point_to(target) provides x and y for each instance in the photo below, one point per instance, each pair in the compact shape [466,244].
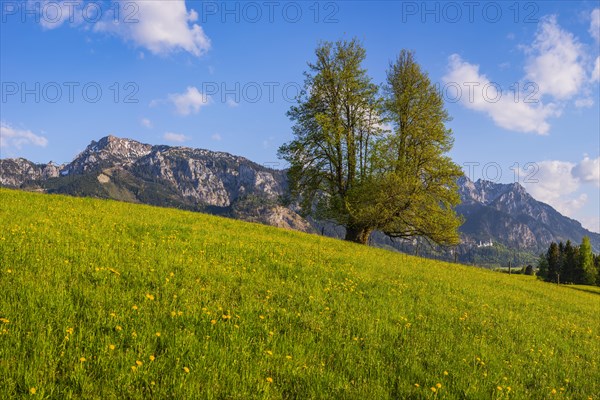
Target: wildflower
[82,359]
[118,328]
[111,346]
[269,352]
[153,383]
[433,389]
[133,368]
[157,334]
[32,390]
[499,388]
[445,372]
[149,296]
[438,385]
[70,331]
[135,307]
[4,320]
[151,358]
[288,357]
[186,370]
[508,389]
[139,363]
[261,316]
[553,391]
[213,321]
[417,385]
[270,380]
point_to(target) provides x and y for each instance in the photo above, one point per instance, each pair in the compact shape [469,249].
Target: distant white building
[485,244]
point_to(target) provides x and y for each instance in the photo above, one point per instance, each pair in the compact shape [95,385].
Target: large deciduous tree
[346,168]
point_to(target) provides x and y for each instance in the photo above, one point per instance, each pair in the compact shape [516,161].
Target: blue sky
[521,80]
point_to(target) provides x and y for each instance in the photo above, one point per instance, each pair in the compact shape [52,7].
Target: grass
[101,299]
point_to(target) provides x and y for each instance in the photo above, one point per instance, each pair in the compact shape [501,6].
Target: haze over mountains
[220,183]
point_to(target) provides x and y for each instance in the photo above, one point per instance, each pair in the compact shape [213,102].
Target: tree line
[568,263]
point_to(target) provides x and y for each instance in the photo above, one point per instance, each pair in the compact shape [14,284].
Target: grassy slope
[239,304]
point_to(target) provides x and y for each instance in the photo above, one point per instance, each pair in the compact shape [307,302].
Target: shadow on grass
[588,289]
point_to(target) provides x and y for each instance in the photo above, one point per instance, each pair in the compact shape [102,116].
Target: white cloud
[189,102]
[556,183]
[17,138]
[520,116]
[163,26]
[591,223]
[595,24]
[596,71]
[556,62]
[175,137]
[216,137]
[584,103]
[588,170]
[232,103]
[146,123]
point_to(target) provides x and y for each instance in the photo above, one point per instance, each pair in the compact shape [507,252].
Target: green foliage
[346,168]
[246,311]
[570,264]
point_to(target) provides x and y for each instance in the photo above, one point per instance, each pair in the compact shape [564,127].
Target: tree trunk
[358,234]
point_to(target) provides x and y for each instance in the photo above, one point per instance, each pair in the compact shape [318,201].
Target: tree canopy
[372,158]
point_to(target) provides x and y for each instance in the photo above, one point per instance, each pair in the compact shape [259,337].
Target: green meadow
[102,299]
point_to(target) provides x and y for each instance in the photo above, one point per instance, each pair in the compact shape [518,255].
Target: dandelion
[82,359]
[433,389]
[151,358]
[269,352]
[139,363]
[135,308]
[553,391]
[186,370]
[288,357]
[438,385]
[157,334]
[70,331]
[118,328]
[499,388]
[32,390]
[270,380]
[417,385]
[508,388]
[4,320]
[133,368]
[149,296]
[111,346]
[261,316]
[213,321]
[445,373]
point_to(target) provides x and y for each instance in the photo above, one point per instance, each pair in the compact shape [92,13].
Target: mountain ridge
[225,184]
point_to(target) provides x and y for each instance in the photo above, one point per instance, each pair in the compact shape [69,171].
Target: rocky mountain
[500,219]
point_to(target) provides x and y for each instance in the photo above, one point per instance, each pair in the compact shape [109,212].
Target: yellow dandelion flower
[135,307]
[433,389]
[133,334]
[417,385]
[118,328]
[288,357]
[139,363]
[508,389]
[149,296]
[186,370]
[111,346]
[445,372]
[261,316]
[153,383]
[499,388]
[70,331]
[213,321]
[82,359]
[553,391]
[269,352]
[270,380]
[32,390]
[438,385]
[133,368]
[151,358]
